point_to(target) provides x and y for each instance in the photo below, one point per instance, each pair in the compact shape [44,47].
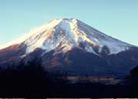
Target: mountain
[72,47]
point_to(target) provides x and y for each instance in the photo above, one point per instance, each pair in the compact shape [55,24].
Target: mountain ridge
[72,32]
[73,47]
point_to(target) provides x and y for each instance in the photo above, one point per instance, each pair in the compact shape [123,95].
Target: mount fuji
[72,47]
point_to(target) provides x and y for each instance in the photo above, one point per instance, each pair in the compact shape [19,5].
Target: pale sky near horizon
[117,18]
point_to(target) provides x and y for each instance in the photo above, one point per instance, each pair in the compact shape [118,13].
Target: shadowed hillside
[31,80]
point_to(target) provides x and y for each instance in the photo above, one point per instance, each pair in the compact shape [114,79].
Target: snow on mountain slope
[31,33]
[64,34]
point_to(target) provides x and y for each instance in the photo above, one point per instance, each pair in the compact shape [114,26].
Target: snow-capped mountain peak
[59,33]
[64,34]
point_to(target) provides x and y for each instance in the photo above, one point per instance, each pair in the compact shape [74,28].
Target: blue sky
[117,18]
